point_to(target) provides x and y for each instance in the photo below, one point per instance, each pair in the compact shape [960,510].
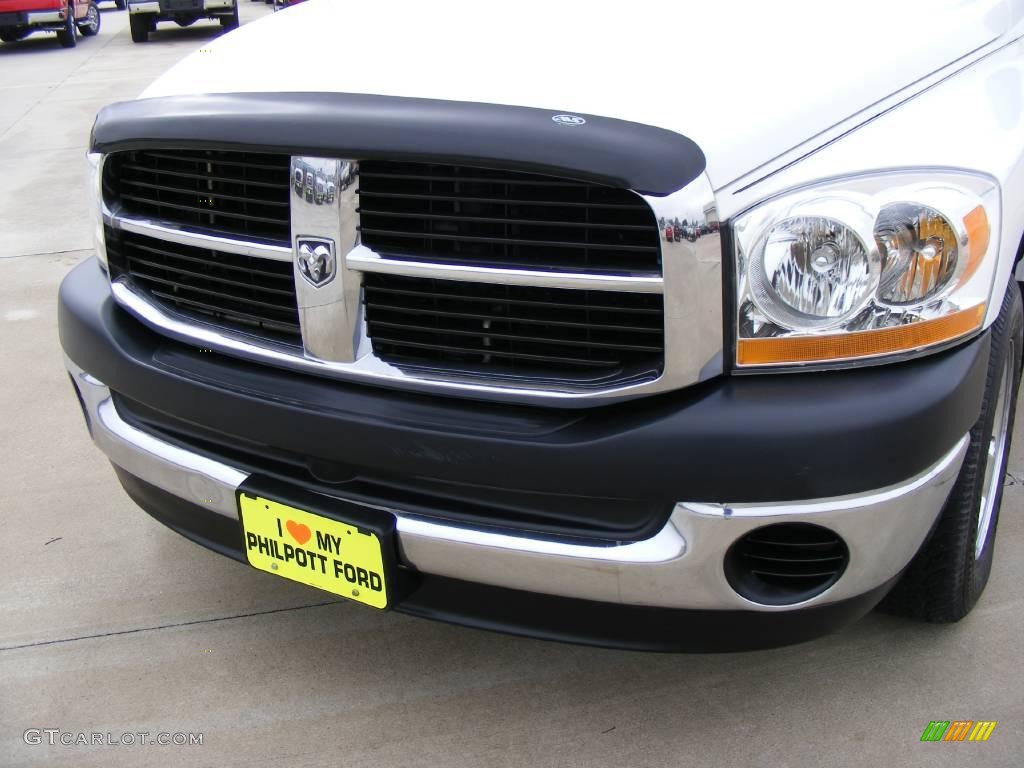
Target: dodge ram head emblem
[316,260]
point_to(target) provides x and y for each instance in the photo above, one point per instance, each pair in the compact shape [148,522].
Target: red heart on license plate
[298,531]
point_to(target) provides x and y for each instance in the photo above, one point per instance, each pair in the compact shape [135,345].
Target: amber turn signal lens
[852,346]
[977,226]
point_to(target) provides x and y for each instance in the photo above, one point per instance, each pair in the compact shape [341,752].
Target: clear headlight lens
[813,270]
[95,197]
[863,268]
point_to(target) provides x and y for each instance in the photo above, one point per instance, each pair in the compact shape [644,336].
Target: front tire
[140,26]
[944,581]
[68,37]
[91,26]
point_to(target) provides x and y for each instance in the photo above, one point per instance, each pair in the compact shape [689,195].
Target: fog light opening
[785,563]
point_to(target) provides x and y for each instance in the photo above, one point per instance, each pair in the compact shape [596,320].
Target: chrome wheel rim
[92,18]
[996,458]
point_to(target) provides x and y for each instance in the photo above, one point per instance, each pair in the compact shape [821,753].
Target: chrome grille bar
[365,260]
[167,230]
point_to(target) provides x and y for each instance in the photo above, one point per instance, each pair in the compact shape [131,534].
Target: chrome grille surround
[334,331]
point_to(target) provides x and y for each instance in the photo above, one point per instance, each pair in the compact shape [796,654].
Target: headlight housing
[95,197]
[864,268]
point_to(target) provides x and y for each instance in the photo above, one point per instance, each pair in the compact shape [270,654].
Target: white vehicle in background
[145,14]
[485,328]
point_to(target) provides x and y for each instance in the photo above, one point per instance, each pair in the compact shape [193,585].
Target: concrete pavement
[111,623]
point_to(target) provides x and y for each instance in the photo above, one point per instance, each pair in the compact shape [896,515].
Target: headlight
[863,268]
[95,197]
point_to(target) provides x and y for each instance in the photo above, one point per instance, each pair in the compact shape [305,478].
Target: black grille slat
[202,177]
[556,359]
[523,180]
[508,240]
[225,192]
[364,193]
[466,215]
[517,319]
[244,217]
[217,157]
[222,295]
[136,261]
[235,290]
[214,195]
[496,220]
[523,330]
[426,294]
[385,289]
[518,337]
[262,273]
[219,310]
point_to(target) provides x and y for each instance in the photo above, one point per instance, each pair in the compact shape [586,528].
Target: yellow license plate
[314,550]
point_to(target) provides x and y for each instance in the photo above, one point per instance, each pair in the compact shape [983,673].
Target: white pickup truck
[558,326]
[144,14]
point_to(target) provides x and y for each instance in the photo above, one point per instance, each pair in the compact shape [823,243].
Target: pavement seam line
[47,253]
[168,626]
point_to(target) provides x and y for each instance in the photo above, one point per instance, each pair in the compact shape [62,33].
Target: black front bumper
[789,437]
[611,472]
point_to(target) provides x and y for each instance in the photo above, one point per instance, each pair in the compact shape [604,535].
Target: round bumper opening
[785,563]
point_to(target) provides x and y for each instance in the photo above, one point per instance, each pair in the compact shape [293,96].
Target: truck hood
[746,81]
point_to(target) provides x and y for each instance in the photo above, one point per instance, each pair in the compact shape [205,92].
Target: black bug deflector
[605,150]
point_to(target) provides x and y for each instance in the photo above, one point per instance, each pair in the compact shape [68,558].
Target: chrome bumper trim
[153,6]
[44,17]
[679,567]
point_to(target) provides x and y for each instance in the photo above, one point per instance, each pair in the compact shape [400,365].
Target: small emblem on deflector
[569,120]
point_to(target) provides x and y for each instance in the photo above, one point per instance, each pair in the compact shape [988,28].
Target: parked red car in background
[68,18]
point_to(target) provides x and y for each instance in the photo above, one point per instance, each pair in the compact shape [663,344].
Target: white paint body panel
[776,96]
[716,73]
